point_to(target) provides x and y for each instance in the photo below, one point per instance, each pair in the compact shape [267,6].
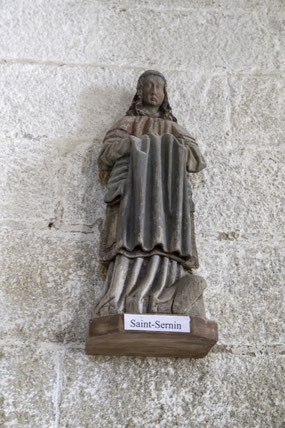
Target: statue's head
[151,92]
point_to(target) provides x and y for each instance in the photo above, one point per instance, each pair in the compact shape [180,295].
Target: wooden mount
[107,336]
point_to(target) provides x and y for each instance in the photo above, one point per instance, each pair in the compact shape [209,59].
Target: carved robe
[148,237]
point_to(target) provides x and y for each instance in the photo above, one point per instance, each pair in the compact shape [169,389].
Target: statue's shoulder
[180,130]
[125,123]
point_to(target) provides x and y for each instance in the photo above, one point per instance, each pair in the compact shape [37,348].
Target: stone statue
[148,241]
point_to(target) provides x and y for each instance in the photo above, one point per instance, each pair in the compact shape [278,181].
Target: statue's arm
[195,160]
[113,159]
[116,144]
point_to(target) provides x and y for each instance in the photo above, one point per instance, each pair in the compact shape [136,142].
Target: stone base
[107,336]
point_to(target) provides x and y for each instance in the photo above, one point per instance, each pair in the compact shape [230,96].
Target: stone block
[81,195]
[255,5]
[84,101]
[221,390]
[257,110]
[200,104]
[27,385]
[244,289]
[48,284]
[28,181]
[240,192]
[91,32]
[275,18]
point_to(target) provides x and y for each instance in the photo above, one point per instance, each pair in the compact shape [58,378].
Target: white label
[150,322]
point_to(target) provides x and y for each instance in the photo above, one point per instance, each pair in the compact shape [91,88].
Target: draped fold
[139,285]
[155,209]
[117,180]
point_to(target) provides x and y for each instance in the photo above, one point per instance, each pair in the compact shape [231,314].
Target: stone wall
[68,71]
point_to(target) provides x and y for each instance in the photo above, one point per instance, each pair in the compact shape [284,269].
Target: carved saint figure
[148,241]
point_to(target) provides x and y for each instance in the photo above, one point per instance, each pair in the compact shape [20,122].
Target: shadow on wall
[100,108]
[83,207]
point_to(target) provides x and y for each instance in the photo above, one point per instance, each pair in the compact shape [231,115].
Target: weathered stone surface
[81,194]
[245,288]
[48,284]
[27,384]
[275,17]
[48,183]
[240,191]
[276,6]
[200,103]
[84,101]
[223,390]
[91,32]
[28,181]
[257,109]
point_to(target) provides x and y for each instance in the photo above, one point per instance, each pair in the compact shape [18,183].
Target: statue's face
[153,91]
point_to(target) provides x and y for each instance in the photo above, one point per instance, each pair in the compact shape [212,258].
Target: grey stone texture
[106,33]
[221,390]
[28,376]
[68,70]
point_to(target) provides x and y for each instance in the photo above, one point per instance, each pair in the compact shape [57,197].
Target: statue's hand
[104,177]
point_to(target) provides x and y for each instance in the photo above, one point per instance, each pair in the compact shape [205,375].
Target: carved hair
[136,108]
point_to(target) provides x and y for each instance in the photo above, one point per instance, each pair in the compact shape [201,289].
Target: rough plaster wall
[68,71]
